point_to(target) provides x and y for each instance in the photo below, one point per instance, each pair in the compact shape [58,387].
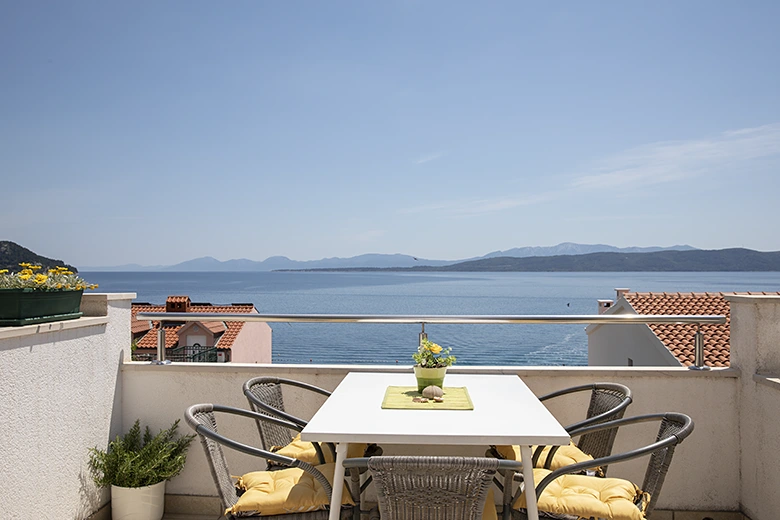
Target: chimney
[177,304]
[604,305]
[620,292]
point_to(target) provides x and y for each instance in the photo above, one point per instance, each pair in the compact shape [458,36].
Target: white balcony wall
[755,349]
[65,390]
[61,394]
[700,478]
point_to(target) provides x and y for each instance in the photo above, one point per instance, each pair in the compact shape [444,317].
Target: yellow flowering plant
[432,355]
[56,279]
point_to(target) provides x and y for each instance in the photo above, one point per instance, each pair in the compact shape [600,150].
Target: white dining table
[505,412]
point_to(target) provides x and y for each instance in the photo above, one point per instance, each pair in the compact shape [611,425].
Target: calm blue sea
[418,293]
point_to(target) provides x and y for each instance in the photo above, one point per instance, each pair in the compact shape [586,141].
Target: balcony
[69,386]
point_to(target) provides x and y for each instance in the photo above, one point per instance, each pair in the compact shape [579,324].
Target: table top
[505,412]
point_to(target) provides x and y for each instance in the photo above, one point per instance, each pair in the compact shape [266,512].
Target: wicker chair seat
[290,490]
[586,497]
[564,456]
[305,451]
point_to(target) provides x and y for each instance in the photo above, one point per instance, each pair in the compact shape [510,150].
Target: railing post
[161,347]
[422,336]
[698,350]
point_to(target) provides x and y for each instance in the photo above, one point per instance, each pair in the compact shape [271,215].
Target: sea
[422,294]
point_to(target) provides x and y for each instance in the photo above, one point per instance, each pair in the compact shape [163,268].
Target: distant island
[697,260]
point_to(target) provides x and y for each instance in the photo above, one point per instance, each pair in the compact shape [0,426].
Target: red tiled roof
[679,338]
[138,326]
[230,330]
[177,299]
[215,327]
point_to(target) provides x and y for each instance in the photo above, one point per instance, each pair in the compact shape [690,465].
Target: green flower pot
[429,376]
[27,306]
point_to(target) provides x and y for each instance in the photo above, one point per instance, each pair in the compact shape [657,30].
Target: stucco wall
[612,345]
[755,349]
[253,344]
[697,479]
[60,395]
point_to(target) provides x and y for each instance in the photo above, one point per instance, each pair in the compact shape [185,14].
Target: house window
[630,362]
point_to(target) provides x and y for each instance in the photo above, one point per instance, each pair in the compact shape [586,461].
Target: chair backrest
[673,429]
[265,397]
[673,425]
[435,488]
[608,401]
[204,415]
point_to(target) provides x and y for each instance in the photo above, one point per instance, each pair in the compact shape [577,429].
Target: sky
[156,132]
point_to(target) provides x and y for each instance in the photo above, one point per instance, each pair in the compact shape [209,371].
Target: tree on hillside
[12,254]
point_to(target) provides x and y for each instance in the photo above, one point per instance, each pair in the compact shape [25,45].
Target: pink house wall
[253,343]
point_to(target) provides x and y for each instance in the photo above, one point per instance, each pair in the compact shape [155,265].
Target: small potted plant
[432,362]
[136,467]
[31,296]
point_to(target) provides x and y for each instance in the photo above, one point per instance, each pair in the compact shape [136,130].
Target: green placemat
[400,398]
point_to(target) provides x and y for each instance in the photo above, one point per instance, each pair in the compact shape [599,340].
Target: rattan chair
[673,429]
[432,488]
[202,419]
[608,401]
[265,397]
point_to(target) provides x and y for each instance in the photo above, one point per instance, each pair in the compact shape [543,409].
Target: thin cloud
[461,208]
[671,161]
[651,164]
[480,207]
[431,157]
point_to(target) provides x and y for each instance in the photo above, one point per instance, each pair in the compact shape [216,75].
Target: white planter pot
[142,503]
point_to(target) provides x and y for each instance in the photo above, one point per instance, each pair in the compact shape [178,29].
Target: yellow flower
[3,271]
[41,278]
[433,347]
[25,276]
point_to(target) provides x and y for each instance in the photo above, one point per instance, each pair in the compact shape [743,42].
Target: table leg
[338,481]
[528,483]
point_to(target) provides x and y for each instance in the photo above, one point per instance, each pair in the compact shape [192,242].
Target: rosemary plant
[137,461]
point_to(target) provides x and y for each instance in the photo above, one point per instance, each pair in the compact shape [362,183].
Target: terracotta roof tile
[229,330]
[679,338]
[139,326]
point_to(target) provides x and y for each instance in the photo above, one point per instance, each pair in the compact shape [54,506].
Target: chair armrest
[620,457]
[206,432]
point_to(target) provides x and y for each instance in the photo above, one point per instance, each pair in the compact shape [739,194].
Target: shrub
[133,461]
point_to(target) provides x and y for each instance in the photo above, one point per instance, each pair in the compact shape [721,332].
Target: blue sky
[156,132]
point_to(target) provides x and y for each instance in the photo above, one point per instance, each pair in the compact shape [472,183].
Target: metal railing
[585,319]
[193,354]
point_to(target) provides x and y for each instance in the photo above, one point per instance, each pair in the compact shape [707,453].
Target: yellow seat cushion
[490,512]
[584,496]
[565,455]
[290,490]
[304,451]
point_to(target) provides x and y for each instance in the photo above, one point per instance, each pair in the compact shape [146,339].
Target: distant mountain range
[374,261]
[563,257]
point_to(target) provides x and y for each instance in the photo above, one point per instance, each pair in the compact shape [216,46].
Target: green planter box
[25,306]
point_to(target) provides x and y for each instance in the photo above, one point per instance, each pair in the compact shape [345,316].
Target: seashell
[419,400]
[432,391]
[438,399]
